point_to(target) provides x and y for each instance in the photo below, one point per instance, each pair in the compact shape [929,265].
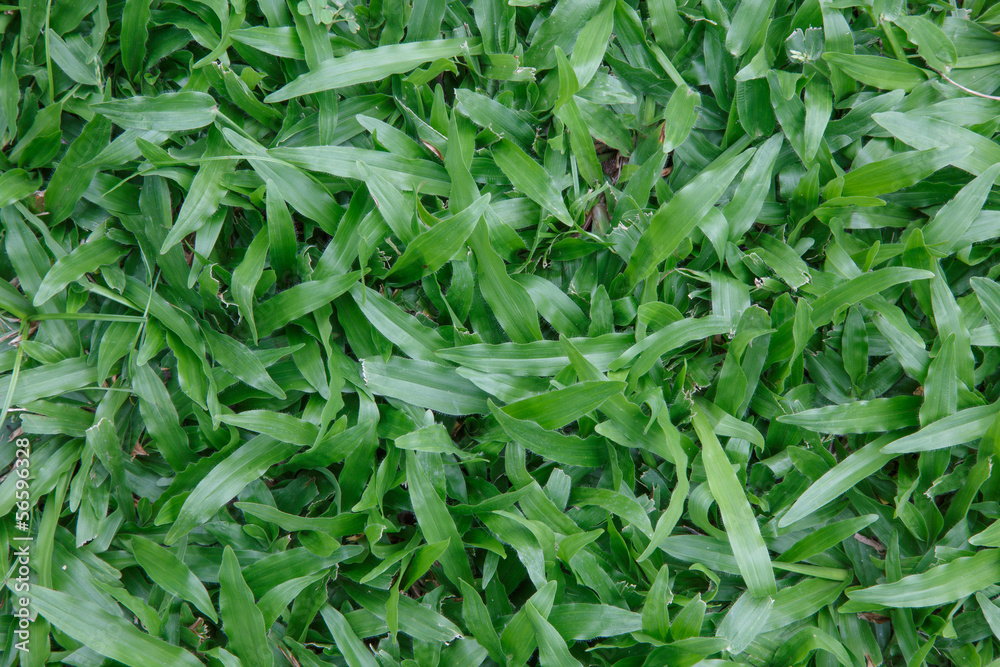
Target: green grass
[431,333]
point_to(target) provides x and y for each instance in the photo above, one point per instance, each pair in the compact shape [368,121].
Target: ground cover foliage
[436,333]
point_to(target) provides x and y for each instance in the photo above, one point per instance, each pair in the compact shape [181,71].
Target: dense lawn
[447,334]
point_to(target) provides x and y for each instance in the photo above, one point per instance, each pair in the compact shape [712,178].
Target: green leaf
[342,161]
[900,171]
[948,226]
[876,415]
[134,33]
[338,526]
[354,652]
[839,479]
[168,112]
[171,574]
[941,386]
[403,330]
[933,45]
[963,426]
[825,538]
[939,585]
[75,172]
[224,481]
[434,520]
[678,217]
[511,303]
[281,234]
[565,449]
[679,117]
[205,195]
[424,384]
[241,620]
[826,307]
[105,633]
[362,66]
[747,23]
[277,425]
[160,417]
[551,647]
[538,358]
[15,185]
[655,612]
[85,258]
[556,409]
[741,526]
[876,71]
[103,441]
[301,300]
[529,177]
[245,279]
[432,249]
[924,133]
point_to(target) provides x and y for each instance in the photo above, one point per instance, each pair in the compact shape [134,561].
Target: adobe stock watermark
[22,550]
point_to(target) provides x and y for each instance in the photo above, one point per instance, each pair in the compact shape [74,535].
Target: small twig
[874,544]
[968,90]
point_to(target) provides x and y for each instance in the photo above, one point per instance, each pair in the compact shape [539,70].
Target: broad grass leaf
[558,408]
[843,476]
[677,218]
[241,619]
[655,614]
[239,360]
[105,633]
[948,226]
[15,185]
[103,441]
[900,171]
[160,417]
[281,234]
[342,161]
[226,480]
[744,620]
[877,71]
[168,112]
[435,522]
[941,386]
[741,527]
[924,133]
[939,585]
[301,300]
[874,416]
[558,447]
[206,192]
[75,171]
[278,425]
[405,331]
[135,20]
[539,358]
[170,573]
[826,537]
[963,426]
[933,45]
[747,23]
[363,66]
[679,117]
[826,307]
[551,647]
[511,303]
[806,641]
[529,177]
[433,248]
[85,258]
[424,384]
